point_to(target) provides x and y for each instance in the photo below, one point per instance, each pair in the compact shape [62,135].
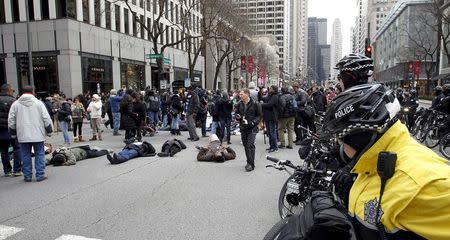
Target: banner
[261,76]
[243,63]
[417,64]
[250,64]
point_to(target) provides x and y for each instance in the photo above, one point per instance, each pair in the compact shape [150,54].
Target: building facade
[317,51]
[336,48]
[87,45]
[399,56]
[299,37]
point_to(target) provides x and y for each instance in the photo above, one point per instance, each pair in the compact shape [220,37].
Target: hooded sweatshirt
[95,108]
[29,118]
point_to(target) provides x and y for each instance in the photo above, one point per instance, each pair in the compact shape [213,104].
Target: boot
[80,139]
[178,132]
[173,132]
[75,139]
[94,137]
[100,137]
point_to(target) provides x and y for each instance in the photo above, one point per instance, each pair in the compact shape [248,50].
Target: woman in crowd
[78,113]
[64,118]
[175,110]
[139,109]
[95,111]
[128,118]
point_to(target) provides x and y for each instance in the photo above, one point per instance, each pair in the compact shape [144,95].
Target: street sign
[153,56]
[196,79]
[166,61]
[163,84]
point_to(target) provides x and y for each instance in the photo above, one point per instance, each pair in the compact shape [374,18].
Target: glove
[343,182]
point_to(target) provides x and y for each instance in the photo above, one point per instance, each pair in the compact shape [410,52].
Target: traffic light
[369,51]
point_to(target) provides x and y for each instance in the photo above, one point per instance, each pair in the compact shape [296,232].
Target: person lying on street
[70,156]
[171,147]
[215,151]
[132,150]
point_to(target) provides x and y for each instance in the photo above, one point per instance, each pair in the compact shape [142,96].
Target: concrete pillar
[11,72]
[116,73]
[79,10]
[69,73]
[8,16]
[22,12]
[37,10]
[122,20]
[103,14]
[130,23]
[91,12]
[52,9]
[113,17]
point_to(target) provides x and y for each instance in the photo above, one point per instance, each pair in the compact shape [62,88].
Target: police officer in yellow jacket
[415,196]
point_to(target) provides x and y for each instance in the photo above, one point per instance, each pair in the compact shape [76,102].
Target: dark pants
[201,117]
[190,124]
[298,130]
[77,128]
[271,127]
[225,124]
[110,121]
[248,138]
[130,133]
[6,159]
[93,153]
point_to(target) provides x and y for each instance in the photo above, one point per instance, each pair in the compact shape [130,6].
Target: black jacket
[175,103]
[269,107]
[437,100]
[128,117]
[284,111]
[224,108]
[5,104]
[171,147]
[193,103]
[140,109]
[64,111]
[251,113]
[319,101]
[145,149]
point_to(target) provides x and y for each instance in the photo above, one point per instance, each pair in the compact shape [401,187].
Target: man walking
[6,100]
[248,114]
[29,120]
[114,102]
[192,107]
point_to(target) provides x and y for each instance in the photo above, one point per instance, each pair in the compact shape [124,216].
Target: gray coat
[29,119]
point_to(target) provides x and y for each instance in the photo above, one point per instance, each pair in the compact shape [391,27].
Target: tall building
[286,20]
[81,45]
[317,40]
[336,47]
[370,17]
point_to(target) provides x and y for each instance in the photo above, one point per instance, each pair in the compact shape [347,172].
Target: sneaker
[273,150]
[17,174]
[249,168]
[27,179]
[289,147]
[268,149]
[281,146]
[8,174]
[195,139]
[41,179]
[117,134]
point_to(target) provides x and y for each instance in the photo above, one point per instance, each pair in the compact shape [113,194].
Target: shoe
[281,146]
[289,147]
[249,167]
[228,142]
[204,136]
[17,174]
[27,179]
[117,134]
[195,139]
[189,138]
[268,149]
[80,139]
[110,158]
[273,150]
[106,125]
[41,179]
[93,138]
[8,174]
[75,139]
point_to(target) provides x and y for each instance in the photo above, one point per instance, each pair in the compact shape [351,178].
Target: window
[148,4]
[125,18]
[176,13]
[135,25]
[141,3]
[142,26]
[133,2]
[177,37]
[97,13]
[149,31]
[171,11]
[171,35]
[15,12]
[166,6]
[30,9]
[61,9]
[161,35]
[117,13]
[2,16]
[167,34]
[86,11]
[108,14]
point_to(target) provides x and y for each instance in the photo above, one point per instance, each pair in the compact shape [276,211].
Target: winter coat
[29,119]
[5,104]
[78,112]
[176,104]
[215,152]
[73,155]
[319,101]
[144,149]
[128,117]
[64,111]
[171,147]
[270,107]
[284,111]
[139,108]
[114,102]
[251,113]
[192,103]
[95,109]
[225,108]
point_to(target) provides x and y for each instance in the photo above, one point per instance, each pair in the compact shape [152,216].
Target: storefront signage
[196,79]
[96,69]
[39,68]
[163,84]
[153,56]
[187,82]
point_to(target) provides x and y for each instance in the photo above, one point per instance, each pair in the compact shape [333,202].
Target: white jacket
[95,109]
[29,117]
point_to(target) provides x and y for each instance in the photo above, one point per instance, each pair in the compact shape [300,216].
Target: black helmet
[368,107]
[354,69]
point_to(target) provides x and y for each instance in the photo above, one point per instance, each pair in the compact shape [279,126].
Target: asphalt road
[145,198]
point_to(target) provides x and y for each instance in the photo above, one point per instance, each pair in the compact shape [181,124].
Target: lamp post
[30,57]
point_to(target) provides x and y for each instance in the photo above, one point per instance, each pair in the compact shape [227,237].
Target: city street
[145,198]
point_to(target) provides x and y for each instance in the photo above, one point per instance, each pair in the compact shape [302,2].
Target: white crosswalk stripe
[6,231]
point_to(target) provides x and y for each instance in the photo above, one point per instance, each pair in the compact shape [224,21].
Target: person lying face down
[132,150]
[215,151]
[70,156]
[171,147]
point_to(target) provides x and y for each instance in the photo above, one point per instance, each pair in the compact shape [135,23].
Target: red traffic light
[369,49]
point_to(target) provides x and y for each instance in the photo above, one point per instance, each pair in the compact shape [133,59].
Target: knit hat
[358,141]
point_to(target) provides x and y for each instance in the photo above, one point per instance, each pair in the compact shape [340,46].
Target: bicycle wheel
[444,146]
[288,201]
[432,137]
[275,231]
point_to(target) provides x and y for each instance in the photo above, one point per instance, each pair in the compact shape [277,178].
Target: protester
[253,91]
[319,99]
[286,118]
[171,147]
[301,97]
[175,110]
[70,156]
[139,108]
[56,104]
[132,150]
[78,113]
[29,121]
[192,106]
[215,151]
[114,102]
[6,141]
[65,117]
[248,114]
[152,103]
[128,118]
[95,111]
[225,108]
[214,111]
[269,107]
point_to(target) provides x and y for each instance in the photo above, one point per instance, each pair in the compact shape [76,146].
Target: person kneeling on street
[171,147]
[70,156]
[215,152]
[132,150]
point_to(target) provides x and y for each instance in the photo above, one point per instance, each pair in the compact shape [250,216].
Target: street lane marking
[6,231]
[74,237]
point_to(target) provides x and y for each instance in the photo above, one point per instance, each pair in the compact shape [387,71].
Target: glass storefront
[96,74]
[132,75]
[45,72]
[2,72]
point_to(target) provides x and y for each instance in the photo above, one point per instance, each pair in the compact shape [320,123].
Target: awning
[441,76]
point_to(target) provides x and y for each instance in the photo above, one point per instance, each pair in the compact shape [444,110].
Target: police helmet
[354,69]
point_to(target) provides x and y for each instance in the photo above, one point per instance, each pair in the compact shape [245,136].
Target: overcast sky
[344,9]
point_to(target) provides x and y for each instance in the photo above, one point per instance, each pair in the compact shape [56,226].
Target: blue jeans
[128,153]
[65,129]
[6,159]
[214,126]
[153,117]
[271,127]
[39,159]
[116,122]
[175,125]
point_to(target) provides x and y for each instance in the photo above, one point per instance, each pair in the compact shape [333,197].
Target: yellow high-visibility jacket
[417,197]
